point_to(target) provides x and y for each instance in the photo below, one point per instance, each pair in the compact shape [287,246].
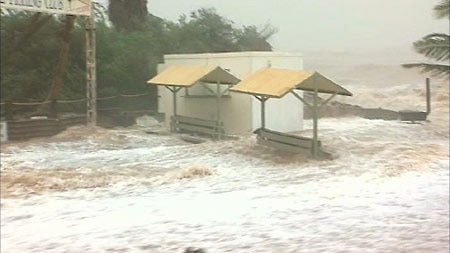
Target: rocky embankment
[336,109]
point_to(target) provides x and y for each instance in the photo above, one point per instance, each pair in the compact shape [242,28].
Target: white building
[240,113]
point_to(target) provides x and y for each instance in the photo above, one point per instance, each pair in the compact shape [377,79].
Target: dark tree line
[43,56]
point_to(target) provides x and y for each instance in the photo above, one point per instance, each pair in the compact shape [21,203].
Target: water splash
[125,190]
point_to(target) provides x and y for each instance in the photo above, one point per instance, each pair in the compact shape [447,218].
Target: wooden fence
[289,142]
[336,109]
[39,119]
[51,109]
[212,128]
[25,129]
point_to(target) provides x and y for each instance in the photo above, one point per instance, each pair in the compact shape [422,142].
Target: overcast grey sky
[324,25]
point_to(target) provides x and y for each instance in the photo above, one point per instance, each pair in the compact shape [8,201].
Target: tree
[36,21]
[25,70]
[435,46]
[252,39]
[125,59]
[61,66]
[127,15]
[205,31]
[442,10]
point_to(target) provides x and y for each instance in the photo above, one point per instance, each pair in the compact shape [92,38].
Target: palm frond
[435,46]
[442,10]
[437,70]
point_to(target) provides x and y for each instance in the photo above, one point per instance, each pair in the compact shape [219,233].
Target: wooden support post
[263,110]
[328,100]
[315,123]
[219,116]
[301,99]
[263,113]
[8,110]
[428,95]
[53,113]
[174,98]
[174,91]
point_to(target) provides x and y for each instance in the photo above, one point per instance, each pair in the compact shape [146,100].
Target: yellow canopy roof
[324,85]
[185,76]
[276,83]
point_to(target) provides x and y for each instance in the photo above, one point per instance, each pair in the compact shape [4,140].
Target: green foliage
[125,59]
[27,70]
[127,15]
[442,10]
[207,31]
[252,39]
[434,69]
[435,46]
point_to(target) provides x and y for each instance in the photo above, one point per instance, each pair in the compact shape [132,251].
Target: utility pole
[91,78]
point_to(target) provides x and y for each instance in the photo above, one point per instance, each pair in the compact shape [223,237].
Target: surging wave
[24,182]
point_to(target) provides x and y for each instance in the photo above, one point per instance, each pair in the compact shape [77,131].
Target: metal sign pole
[91,85]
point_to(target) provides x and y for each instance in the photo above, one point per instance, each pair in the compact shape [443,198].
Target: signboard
[3,131]
[67,7]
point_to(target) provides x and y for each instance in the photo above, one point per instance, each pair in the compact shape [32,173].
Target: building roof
[276,83]
[250,54]
[324,85]
[185,76]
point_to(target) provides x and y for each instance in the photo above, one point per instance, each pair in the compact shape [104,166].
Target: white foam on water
[123,190]
[386,191]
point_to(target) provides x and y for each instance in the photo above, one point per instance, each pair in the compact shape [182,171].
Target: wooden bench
[187,124]
[31,128]
[287,142]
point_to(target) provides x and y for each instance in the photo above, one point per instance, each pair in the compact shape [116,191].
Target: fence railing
[113,104]
[120,110]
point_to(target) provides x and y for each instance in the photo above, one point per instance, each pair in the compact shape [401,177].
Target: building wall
[284,114]
[240,112]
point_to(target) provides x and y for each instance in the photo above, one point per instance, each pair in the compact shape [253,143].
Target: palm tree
[435,46]
[127,15]
[124,15]
[61,66]
[442,10]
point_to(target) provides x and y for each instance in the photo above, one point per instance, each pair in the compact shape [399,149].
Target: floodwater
[127,190]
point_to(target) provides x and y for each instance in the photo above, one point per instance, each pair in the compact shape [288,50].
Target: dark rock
[192,139]
[194,250]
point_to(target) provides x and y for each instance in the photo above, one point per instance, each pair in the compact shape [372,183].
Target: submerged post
[428,95]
